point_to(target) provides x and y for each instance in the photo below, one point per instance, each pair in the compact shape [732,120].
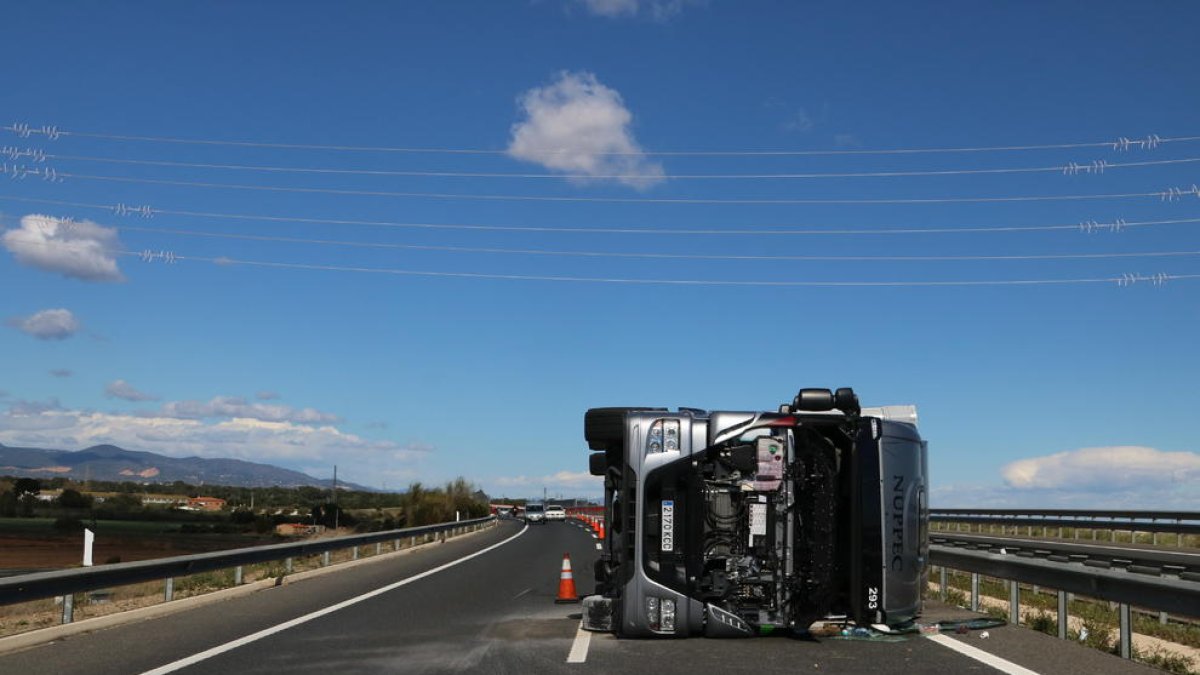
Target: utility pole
[336,511]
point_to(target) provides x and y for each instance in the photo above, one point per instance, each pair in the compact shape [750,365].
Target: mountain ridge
[113,463]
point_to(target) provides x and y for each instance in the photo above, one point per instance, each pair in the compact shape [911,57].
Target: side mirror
[597,463]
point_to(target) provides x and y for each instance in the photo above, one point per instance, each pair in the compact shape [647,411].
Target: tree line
[248,509]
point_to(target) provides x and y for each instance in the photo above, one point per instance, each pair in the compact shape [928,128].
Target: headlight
[671,434]
[660,614]
[652,612]
[664,435]
[668,615]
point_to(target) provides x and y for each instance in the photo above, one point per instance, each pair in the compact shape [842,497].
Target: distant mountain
[110,463]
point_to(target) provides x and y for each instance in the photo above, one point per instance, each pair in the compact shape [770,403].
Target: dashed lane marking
[579,648]
[978,654]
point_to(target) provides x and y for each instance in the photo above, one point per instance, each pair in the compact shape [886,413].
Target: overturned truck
[733,524]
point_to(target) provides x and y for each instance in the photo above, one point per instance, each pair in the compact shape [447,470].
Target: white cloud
[800,121]
[235,406]
[123,390]
[1125,467]
[48,425]
[48,324]
[80,249]
[578,126]
[567,483]
[660,10]
[61,372]
[267,395]
[34,407]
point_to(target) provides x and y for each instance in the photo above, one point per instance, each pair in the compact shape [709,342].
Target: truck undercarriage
[771,521]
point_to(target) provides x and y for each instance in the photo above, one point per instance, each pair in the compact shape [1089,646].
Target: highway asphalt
[494,613]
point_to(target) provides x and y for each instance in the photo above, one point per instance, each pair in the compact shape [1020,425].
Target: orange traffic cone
[566,583]
[601,534]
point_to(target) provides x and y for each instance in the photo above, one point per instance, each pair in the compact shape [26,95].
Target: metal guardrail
[1073,523]
[1151,561]
[1161,594]
[63,583]
[1074,513]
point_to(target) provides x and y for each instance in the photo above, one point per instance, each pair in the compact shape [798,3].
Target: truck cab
[738,523]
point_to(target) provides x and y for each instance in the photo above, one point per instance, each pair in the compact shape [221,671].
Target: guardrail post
[325,559]
[287,565]
[378,547]
[354,555]
[396,545]
[1063,619]
[1014,603]
[974,591]
[1126,632]
[169,589]
[942,585]
[1162,618]
[237,576]
[68,613]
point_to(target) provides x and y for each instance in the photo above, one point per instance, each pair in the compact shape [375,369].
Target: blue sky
[1036,394]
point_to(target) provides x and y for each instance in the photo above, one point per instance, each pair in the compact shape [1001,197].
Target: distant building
[205,503]
[163,500]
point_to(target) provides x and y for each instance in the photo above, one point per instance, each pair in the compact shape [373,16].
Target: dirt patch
[24,552]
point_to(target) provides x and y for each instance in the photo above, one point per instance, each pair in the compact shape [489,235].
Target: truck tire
[605,427]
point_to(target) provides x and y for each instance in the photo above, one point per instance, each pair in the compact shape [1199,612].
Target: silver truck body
[740,523]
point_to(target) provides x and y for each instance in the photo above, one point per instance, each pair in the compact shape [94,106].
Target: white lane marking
[579,648]
[978,654]
[521,593]
[267,632]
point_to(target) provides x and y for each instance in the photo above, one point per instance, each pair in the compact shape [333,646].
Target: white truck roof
[893,413]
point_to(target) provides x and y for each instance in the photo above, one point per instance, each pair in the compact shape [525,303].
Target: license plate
[668,525]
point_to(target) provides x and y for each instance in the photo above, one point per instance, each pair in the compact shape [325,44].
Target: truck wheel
[605,427]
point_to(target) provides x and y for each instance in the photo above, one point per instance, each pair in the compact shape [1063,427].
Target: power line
[1072,168]
[52,132]
[148,211]
[656,255]
[1170,194]
[171,257]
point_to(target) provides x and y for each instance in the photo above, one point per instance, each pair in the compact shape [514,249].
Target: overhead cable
[148,211]
[53,132]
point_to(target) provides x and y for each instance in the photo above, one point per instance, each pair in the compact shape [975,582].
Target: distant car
[535,514]
[555,513]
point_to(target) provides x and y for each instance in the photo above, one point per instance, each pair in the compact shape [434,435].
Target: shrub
[1044,622]
[68,524]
